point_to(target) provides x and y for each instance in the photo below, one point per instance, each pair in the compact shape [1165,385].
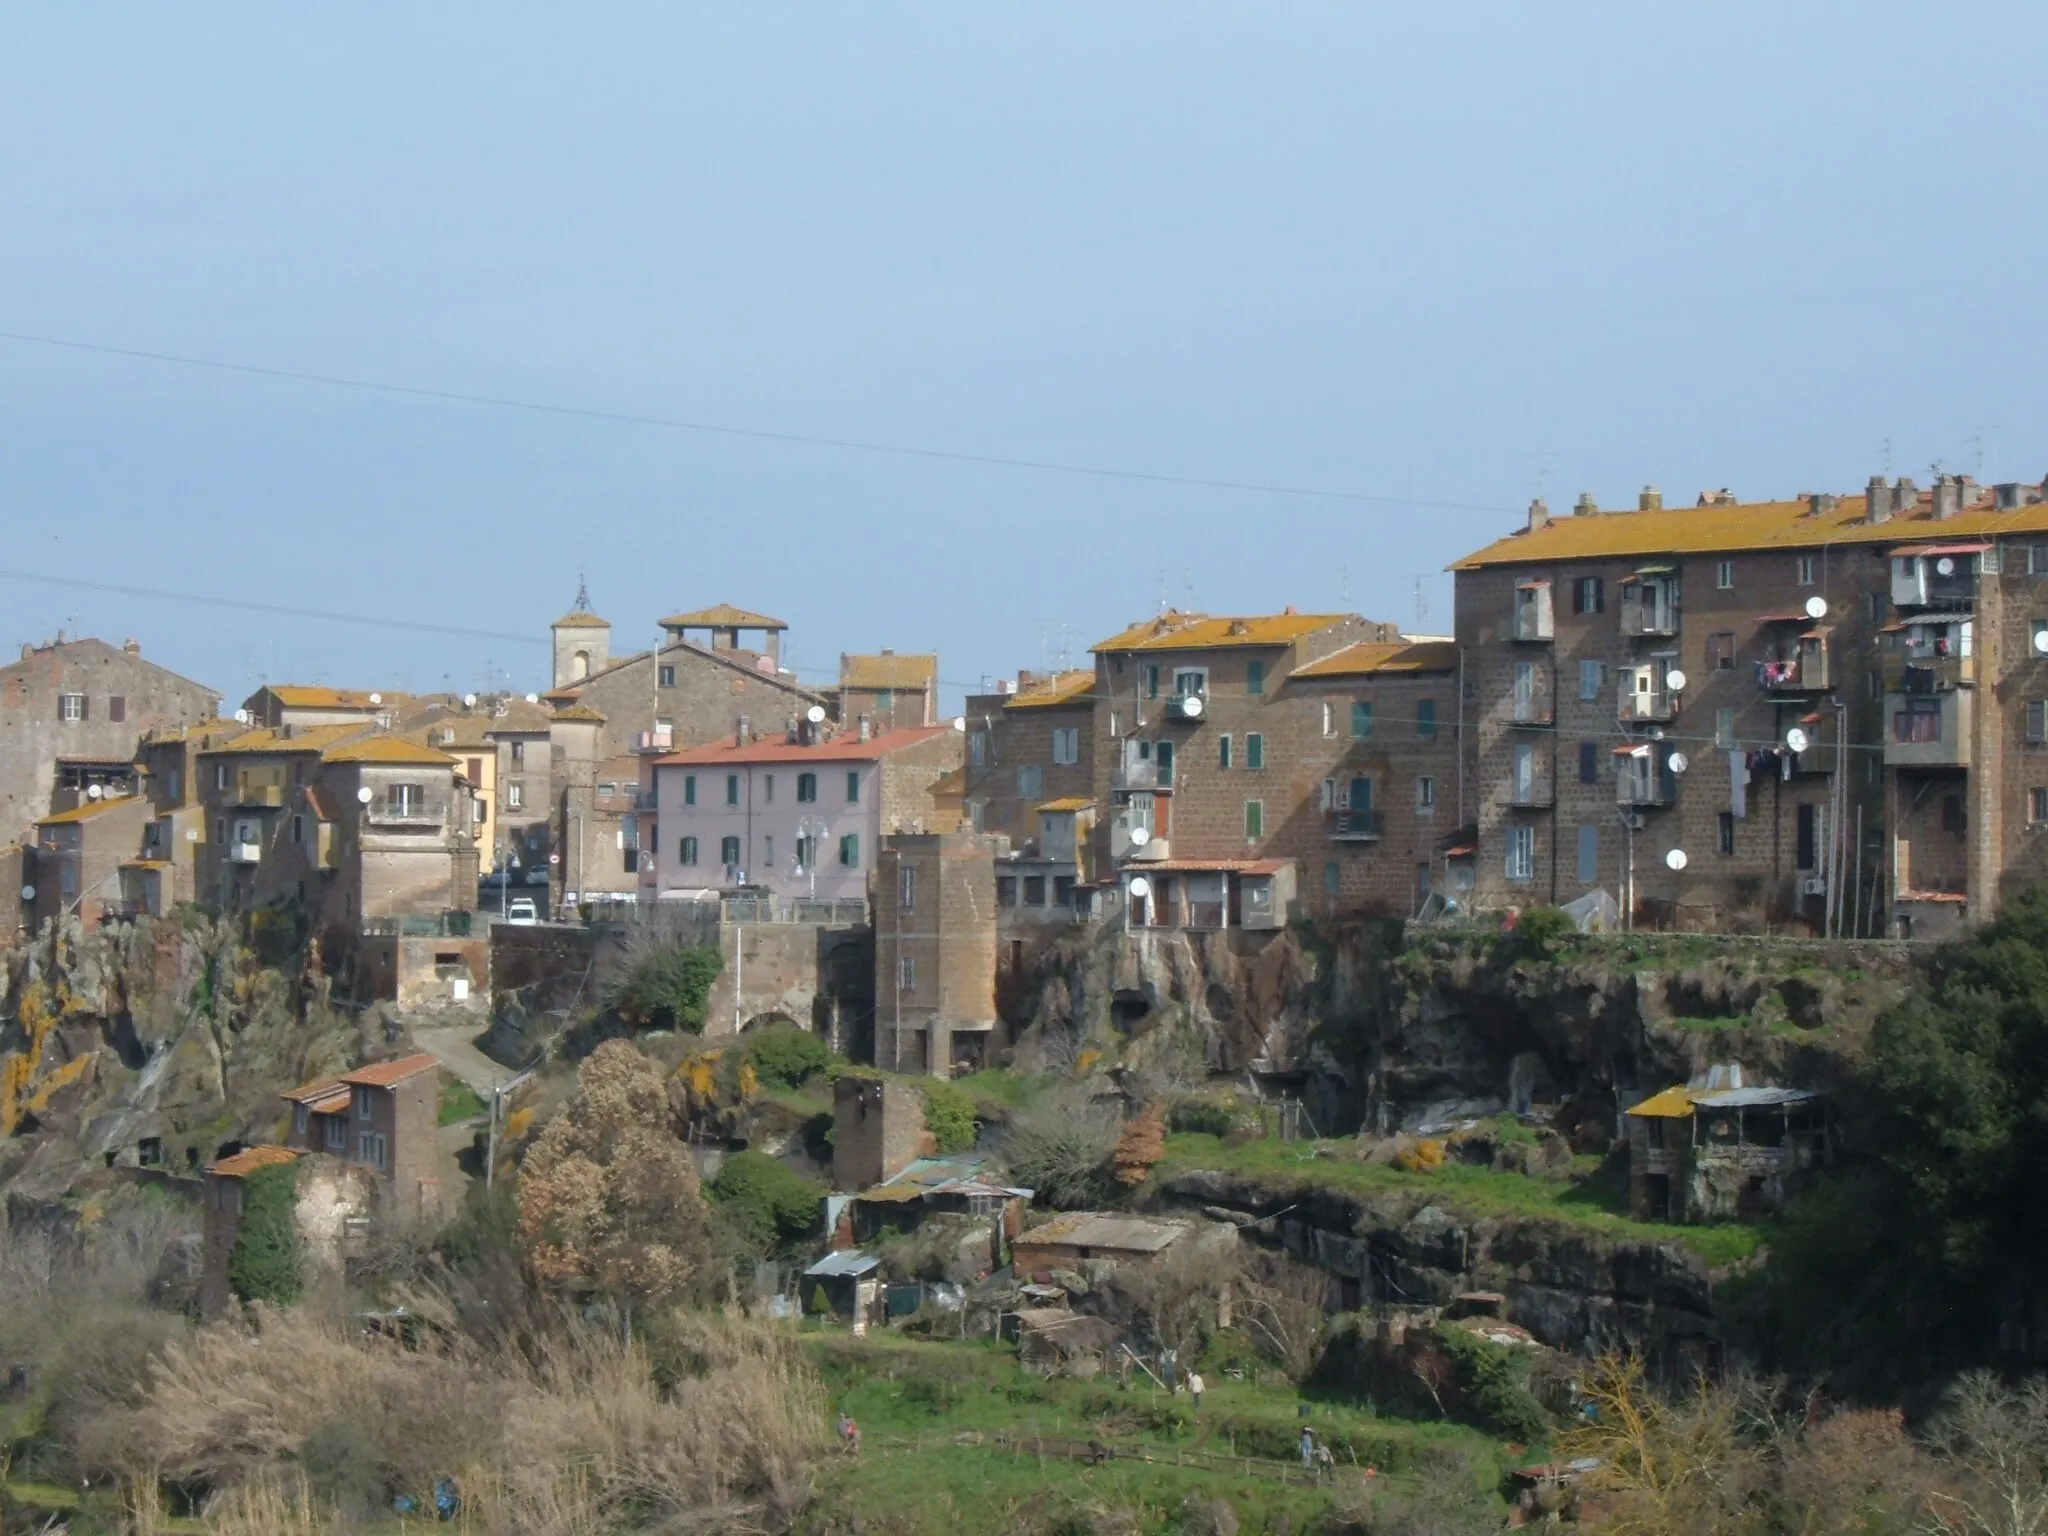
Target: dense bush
[1212,1114]
[1538,932]
[949,1115]
[770,1205]
[666,986]
[1492,1384]
[785,1056]
[264,1264]
[1060,1149]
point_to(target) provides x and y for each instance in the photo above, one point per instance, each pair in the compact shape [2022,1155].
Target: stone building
[383,1118]
[165,869]
[1722,1149]
[79,855]
[521,731]
[81,702]
[935,952]
[892,691]
[597,834]
[332,1202]
[277,705]
[1029,743]
[878,1130]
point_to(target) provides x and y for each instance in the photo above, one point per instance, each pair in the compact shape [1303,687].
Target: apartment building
[797,818]
[465,733]
[165,870]
[81,703]
[78,858]
[1029,742]
[935,951]
[384,1119]
[1200,762]
[1811,712]
[520,732]
[289,704]
[892,691]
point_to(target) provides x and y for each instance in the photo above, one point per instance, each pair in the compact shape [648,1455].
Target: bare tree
[1995,1439]
[1284,1302]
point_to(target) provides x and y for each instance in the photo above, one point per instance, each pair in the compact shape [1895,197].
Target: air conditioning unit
[1813,885]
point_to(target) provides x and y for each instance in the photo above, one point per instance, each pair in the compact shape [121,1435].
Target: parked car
[522,910]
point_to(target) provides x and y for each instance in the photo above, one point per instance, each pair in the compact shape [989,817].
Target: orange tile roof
[386,1074]
[249,1159]
[843,748]
[85,811]
[907,673]
[1730,529]
[1371,658]
[1063,688]
[303,738]
[576,709]
[294,696]
[318,1088]
[146,864]
[1175,631]
[581,618]
[1070,803]
[721,616]
[394,750]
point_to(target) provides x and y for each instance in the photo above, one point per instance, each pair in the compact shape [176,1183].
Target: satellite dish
[1675,680]
[366,794]
[28,893]
[1816,607]
[242,717]
[959,722]
[2041,641]
[376,698]
[1191,706]
[1944,566]
[533,698]
[815,714]
[1675,859]
[1140,837]
[1678,762]
[1797,740]
[93,791]
[469,701]
[1140,887]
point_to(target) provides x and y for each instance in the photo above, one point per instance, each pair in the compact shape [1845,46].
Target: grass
[1585,1201]
[1001,1088]
[951,1432]
[459,1102]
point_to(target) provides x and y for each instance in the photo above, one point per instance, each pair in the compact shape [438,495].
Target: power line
[593,413]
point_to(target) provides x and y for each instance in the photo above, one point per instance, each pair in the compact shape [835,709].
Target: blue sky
[1444,253]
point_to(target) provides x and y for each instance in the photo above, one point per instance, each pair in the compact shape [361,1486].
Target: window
[1329,718]
[117,709]
[1066,745]
[1190,682]
[1727,833]
[1115,724]
[299,1119]
[1952,818]
[2037,805]
[1920,721]
[1521,853]
[1425,793]
[1333,879]
[732,788]
[1806,853]
[1255,677]
[806,854]
[405,799]
[768,792]
[689,789]
[977,749]
[364,1103]
[849,851]
[768,852]
[220,829]
[686,852]
[337,1132]
[1030,780]
[2037,559]
[1873,684]
[1721,652]
[1162,754]
[1589,595]
[1806,568]
[906,888]
[1361,719]
[1589,855]
[70,706]
[1006,890]
[1724,575]
[298,829]
[220,775]
[370,1149]
[518,751]
[1063,890]
[906,973]
[1151,675]
[2040,640]
[1254,820]
[1874,605]
[729,852]
[515,796]
[475,774]
[1034,890]
[1254,750]
[1724,729]
[1329,800]
[1589,762]
[1425,717]
[853,786]
[1223,753]
[1592,679]
[665,677]
[806,788]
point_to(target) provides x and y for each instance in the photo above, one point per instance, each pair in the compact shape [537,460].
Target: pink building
[801,820]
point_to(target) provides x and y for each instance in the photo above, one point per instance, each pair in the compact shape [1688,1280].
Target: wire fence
[1030,1443]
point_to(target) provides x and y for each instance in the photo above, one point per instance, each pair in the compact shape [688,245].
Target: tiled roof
[302,738]
[1728,529]
[576,709]
[387,1073]
[581,618]
[1064,688]
[888,671]
[518,718]
[146,864]
[320,1087]
[461,730]
[249,1159]
[1371,658]
[844,748]
[1070,803]
[394,750]
[85,811]
[1175,631]
[294,696]
[721,616]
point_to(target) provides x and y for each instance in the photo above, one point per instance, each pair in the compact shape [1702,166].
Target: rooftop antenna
[582,604]
[1162,589]
[1887,450]
[1343,586]
[1421,609]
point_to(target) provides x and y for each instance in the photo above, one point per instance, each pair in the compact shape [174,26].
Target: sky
[1434,258]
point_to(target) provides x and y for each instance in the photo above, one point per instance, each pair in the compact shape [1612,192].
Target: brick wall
[877,1130]
[1014,738]
[947,934]
[702,705]
[908,775]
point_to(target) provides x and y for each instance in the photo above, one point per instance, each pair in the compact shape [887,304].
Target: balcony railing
[1649,704]
[406,813]
[1928,674]
[260,796]
[1532,793]
[1534,711]
[1142,774]
[1358,826]
[444,925]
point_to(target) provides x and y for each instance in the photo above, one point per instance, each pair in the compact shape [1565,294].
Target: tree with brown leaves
[1141,1145]
[608,1197]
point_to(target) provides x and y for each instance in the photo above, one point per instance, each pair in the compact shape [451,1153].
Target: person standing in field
[1195,1385]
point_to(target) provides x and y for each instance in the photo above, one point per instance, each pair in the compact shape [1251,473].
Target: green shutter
[1361,719]
[689,789]
[1223,753]
[1255,677]
[849,850]
[853,787]
[1425,717]
[1255,751]
[1254,819]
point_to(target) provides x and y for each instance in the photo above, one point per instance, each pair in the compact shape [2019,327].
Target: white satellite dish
[1797,740]
[1140,837]
[242,717]
[959,722]
[469,701]
[93,791]
[1678,762]
[1140,887]
[376,698]
[1191,706]
[1675,680]
[1675,859]
[1816,607]
[2041,641]
[366,794]
[1944,566]
[533,698]
[28,893]
[815,714]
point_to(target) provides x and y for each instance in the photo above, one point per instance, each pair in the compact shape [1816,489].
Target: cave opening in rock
[1128,1009]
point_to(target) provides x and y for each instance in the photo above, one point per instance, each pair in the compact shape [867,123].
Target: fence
[449,925]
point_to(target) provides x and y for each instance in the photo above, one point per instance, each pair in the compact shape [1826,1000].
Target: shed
[1063,1343]
[849,1282]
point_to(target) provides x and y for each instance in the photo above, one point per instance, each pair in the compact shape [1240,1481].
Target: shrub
[1493,1382]
[264,1263]
[1141,1144]
[785,1056]
[949,1115]
[1539,931]
[771,1205]
[1211,1114]
[1060,1149]
[666,986]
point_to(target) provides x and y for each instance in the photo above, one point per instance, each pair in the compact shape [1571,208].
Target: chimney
[1539,515]
[886,651]
[1585,506]
[2011,496]
[1820,504]
[132,646]
[1877,501]
[1948,497]
[1905,496]
[1651,500]
[867,728]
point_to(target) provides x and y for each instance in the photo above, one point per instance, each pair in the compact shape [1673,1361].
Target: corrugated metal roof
[847,1261]
[1752,1098]
[1093,1229]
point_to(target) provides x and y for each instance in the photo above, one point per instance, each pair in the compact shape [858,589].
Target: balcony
[1653,704]
[1532,618]
[1643,778]
[1136,773]
[656,741]
[240,852]
[1649,607]
[256,796]
[1532,792]
[416,814]
[1928,730]
[1920,673]
[1358,826]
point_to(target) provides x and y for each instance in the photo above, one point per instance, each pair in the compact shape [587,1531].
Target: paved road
[454,1047]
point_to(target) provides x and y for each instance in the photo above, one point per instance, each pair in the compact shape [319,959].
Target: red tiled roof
[1209,866]
[319,1088]
[249,1159]
[386,1074]
[846,748]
